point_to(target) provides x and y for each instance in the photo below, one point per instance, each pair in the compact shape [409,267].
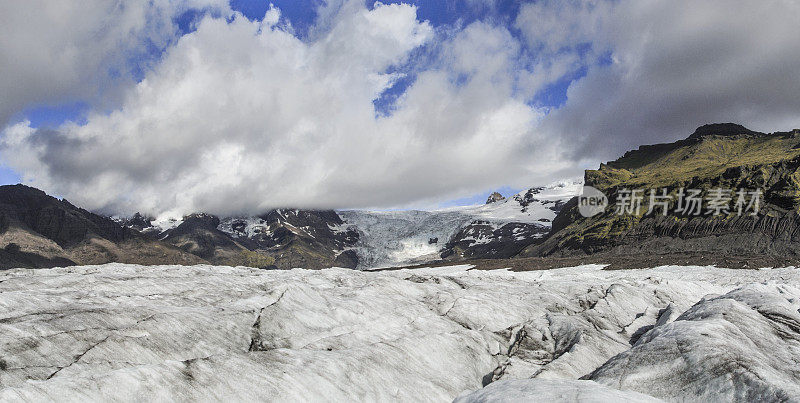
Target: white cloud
[242,116]
[56,51]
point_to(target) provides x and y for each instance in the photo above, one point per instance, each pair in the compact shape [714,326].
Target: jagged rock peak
[140,221]
[722,129]
[495,197]
[204,218]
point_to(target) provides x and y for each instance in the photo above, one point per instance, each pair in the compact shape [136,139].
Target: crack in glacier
[255,330]
[93,346]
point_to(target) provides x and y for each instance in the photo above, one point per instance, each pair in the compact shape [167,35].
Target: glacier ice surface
[125,332]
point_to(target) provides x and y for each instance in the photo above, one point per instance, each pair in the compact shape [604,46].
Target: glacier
[395,238]
[125,332]
[403,237]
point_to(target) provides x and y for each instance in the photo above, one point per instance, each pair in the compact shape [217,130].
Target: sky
[233,107]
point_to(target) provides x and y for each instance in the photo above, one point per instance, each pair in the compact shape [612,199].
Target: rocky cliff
[37,230]
[719,156]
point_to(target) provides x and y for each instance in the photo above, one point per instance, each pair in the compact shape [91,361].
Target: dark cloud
[678,65]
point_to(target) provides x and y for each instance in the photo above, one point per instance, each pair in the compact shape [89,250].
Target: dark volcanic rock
[193,222]
[55,219]
[499,240]
[315,224]
[530,197]
[50,232]
[347,259]
[485,240]
[281,227]
[143,224]
[138,222]
[296,238]
[494,198]
[722,129]
[198,235]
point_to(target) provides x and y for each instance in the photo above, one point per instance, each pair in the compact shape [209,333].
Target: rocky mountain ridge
[719,156]
[281,238]
[490,236]
[37,230]
[368,239]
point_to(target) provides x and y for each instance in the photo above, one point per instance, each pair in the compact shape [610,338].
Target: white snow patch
[252,226]
[166,223]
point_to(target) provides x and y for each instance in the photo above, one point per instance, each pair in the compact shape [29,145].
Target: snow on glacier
[125,332]
[394,238]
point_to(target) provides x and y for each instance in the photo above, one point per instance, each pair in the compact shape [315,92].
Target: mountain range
[37,230]
[539,227]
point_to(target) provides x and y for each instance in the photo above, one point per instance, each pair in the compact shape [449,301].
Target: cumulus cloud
[68,50]
[242,116]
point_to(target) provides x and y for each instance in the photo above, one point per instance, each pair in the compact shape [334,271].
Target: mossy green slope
[723,156]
